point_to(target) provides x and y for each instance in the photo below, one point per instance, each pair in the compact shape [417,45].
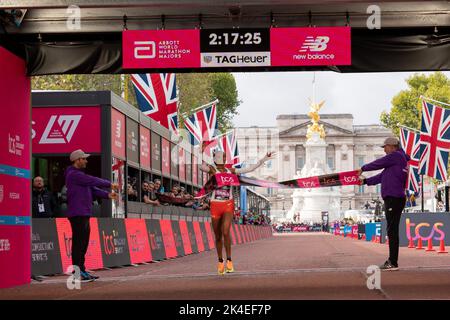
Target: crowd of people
[252,218]
[298,227]
[153,193]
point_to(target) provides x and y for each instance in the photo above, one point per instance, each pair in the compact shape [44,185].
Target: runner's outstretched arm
[253,167]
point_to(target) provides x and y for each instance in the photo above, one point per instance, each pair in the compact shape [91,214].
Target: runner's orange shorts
[218,208]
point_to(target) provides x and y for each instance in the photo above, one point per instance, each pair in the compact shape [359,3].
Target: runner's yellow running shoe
[230,267]
[221,268]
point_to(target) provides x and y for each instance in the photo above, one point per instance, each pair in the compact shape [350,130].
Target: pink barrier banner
[198,236]
[138,242]
[152,49]
[355,232]
[94,259]
[310,46]
[185,236]
[65,129]
[14,196]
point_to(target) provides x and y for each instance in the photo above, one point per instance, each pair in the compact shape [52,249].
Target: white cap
[77,154]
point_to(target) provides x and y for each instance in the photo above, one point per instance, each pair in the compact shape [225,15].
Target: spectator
[393,180]
[81,189]
[132,193]
[148,195]
[158,187]
[43,203]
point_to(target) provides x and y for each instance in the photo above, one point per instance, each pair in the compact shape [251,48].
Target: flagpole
[443,103]
[185,115]
[400,125]
[423,205]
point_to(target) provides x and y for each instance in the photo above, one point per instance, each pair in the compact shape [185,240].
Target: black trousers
[81,230]
[394,207]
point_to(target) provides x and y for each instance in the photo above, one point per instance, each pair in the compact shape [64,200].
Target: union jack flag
[156,95]
[202,125]
[410,142]
[435,141]
[228,144]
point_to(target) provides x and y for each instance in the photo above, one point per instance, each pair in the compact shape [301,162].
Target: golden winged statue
[314,115]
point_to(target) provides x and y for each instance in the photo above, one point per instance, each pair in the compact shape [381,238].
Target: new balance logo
[317,44]
[62,134]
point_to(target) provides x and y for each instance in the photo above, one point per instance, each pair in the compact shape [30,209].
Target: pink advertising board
[144,134]
[182,164]
[165,156]
[65,129]
[310,46]
[14,112]
[161,48]
[14,196]
[118,133]
[194,170]
[15,155]
[15,255]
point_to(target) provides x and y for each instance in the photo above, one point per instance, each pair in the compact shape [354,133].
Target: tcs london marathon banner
[248,47]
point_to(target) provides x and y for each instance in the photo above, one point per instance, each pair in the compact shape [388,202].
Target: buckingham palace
[349,146]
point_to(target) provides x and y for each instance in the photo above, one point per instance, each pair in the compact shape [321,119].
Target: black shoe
[93,276]
[388,266]
[86,277]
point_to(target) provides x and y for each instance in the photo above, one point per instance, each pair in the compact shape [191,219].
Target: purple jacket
[393,177]
[81,190]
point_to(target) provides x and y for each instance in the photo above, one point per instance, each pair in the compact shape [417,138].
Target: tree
[224,89]
[406,106]
[195,90]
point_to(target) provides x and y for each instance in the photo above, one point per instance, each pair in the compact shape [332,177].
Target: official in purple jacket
[81,190]
[393,181]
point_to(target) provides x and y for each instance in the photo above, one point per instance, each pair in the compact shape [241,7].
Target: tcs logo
[227,179]
[424,230]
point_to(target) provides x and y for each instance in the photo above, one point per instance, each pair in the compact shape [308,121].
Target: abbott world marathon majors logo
[312,46]
[59,130]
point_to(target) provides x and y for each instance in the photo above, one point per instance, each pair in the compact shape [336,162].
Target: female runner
[222,206]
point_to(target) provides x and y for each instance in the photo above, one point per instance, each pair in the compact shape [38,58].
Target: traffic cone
[419,244]
[411,243]
[442,247]
[430,245]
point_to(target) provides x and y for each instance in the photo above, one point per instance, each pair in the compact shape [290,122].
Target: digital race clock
[234,40]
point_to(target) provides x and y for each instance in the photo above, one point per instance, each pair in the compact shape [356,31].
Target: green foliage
[406,106]
[195,90]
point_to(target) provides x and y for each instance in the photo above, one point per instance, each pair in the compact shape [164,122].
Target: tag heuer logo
[207,59]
